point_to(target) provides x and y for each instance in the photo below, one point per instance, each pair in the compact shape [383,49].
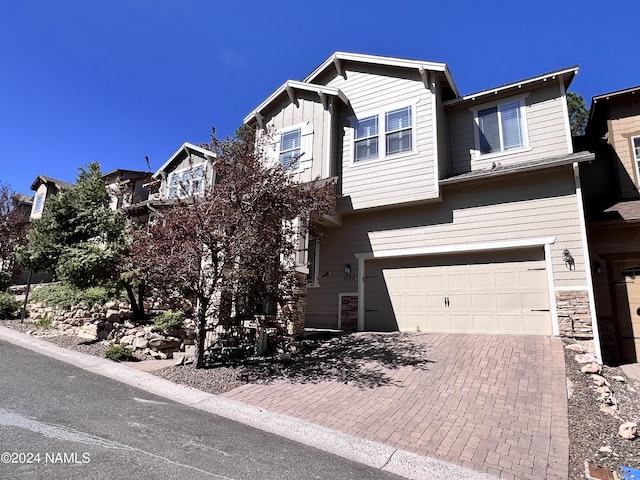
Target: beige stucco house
[612,202]
[458,213]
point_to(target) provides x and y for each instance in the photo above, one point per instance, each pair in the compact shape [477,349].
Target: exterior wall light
[347,269]
[568,259]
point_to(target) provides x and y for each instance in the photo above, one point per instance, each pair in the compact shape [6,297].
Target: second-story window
[183,183]
[37,206]
[500,128]
[635,145]
[371,143]
[290,148]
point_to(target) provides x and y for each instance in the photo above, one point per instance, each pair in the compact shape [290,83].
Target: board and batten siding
[399,178]
[545,128]
[515,207]
[624,123]
[307,108]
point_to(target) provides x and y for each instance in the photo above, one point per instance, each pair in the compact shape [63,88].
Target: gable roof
[335,62]
[185,147]
[597,121]
[60,184]
[567,75]
[290,86]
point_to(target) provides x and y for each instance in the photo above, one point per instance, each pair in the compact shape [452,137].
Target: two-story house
[612,201]
[458,213]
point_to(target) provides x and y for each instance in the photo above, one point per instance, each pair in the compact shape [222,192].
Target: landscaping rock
[576,347]
[592,368]
[586,358]
[628,430]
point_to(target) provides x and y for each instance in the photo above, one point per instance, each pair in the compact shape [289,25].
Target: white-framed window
[37,205]
[186,182]
[635,151]
[290,147]
[500,128]
[383,134]
[290,143]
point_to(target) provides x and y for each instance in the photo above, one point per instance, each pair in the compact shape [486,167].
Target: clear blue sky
[114,81]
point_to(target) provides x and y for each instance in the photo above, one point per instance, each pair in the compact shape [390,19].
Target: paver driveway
[492,403]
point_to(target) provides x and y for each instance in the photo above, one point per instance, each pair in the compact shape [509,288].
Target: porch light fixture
[597,268]
[568,259]
[347,269]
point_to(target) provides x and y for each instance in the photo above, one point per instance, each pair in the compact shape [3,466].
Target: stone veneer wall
[574,316]
[349,313]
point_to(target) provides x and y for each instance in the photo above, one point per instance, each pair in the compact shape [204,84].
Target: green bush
[65,296]
[169,320]
[44,323]
[5,281]
[119,352]
[8,305]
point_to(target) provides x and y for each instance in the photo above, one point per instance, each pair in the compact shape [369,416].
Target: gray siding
[308,108]
[515,208]
[545,126]
[405,177]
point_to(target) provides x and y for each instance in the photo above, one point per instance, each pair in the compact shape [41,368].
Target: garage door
[489,292]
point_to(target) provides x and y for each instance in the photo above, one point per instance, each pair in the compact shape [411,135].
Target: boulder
[592,368]
[576,347]
[586,358]
[628,430]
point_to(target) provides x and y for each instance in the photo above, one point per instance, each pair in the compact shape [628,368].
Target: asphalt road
[58,421]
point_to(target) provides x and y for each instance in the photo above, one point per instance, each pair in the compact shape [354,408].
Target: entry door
[628,302]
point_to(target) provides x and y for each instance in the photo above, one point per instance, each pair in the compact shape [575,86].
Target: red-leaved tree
[234,243]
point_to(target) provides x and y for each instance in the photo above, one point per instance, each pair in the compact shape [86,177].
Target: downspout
[587,256]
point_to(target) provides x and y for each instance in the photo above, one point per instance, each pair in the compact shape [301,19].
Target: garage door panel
[482,292]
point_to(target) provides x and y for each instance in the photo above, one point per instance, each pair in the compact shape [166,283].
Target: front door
[627,288]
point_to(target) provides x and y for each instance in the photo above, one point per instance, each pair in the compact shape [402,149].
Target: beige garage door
[479,293]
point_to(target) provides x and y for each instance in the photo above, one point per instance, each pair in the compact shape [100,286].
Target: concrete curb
[373,454]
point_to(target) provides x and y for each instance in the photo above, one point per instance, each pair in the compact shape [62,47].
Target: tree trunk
[137,309]
[201,332]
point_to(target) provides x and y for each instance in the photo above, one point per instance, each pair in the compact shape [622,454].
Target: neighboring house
[612,202]
[126,187]
[186,172]
[45,187]
[457,213]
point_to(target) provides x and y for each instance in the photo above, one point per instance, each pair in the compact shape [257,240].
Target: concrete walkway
[480,407]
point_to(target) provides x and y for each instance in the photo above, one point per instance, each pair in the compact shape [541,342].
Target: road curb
[373,454]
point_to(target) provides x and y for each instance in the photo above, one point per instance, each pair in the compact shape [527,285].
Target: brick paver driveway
[492,403]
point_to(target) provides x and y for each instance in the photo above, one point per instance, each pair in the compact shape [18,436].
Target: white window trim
[38,208]
[382,134]
[636,159]
[306,146]
[476,154]
[181,171]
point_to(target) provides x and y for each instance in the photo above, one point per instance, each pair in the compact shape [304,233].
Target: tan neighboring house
[458,213]
[45,187]
[613,211]
[126,187]
[186,172]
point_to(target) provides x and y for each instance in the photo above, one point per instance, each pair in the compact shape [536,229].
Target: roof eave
[335,92]
[487,174]
[185,146]
[568,74]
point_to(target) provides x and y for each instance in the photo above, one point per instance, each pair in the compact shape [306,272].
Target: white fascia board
[185,146]
[458,248]
[374,59]
[318,89]
[571,71]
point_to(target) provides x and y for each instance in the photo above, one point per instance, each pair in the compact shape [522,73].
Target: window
[37,206]
[635,145]
[500,128]
[183,183]
[290,148]
[397,135]
[312,260]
